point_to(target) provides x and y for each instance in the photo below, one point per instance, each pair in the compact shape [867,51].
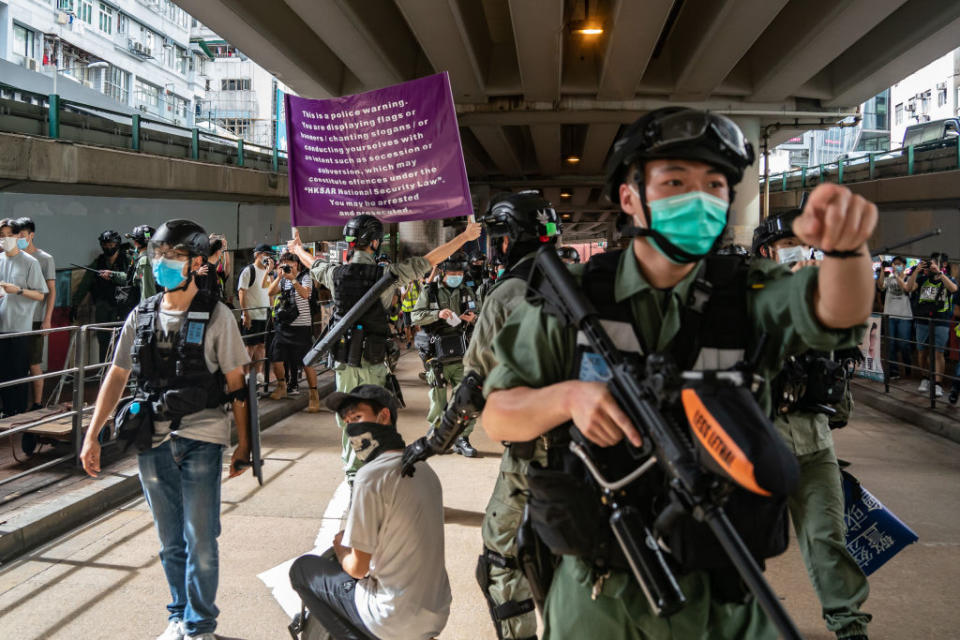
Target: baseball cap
[263,247]
[365,392]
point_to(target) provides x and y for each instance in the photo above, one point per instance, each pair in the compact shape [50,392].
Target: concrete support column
[745,215]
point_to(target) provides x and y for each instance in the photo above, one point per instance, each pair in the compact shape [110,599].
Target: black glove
[417,451]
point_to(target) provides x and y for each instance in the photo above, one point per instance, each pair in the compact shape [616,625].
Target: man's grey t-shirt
[399,521]
[49,270]
[222,348]
[16,311]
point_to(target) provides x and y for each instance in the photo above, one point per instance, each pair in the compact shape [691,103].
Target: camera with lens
[286,268]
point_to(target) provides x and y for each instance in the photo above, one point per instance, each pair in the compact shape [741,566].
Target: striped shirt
[303,304]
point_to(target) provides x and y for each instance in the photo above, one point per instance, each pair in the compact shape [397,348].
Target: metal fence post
[53,116]
[820,176]
[275,160]
[195,144]
[872,166]
[79,384]
[840,171]
[135,132]
[910,160]
[239,152]
[803,177]
[783,187]
[891,341]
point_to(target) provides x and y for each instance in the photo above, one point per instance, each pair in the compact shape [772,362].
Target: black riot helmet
[109,236]
[362,231]
[184,235]
[141,234]
[459,261]
[777,227]
[679,133]
[569,253]
[526,218]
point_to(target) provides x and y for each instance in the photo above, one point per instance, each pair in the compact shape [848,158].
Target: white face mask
[8,244]
[790,255]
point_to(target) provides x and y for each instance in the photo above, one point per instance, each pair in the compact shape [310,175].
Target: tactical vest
[181,366]
[442,327]
[367,339]
[714,335]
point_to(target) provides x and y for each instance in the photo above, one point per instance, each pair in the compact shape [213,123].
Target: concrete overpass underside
[534,93]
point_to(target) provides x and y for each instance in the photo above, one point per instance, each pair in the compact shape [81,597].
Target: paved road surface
[105,581]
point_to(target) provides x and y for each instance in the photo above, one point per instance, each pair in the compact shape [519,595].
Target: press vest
[180,364]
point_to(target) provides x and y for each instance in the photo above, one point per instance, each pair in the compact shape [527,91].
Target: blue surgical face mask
[169,273]
[453,281]
[691,222]
[22,244]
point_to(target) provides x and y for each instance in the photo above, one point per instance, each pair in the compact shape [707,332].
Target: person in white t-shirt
[252,285]
[896,306]
[384,577]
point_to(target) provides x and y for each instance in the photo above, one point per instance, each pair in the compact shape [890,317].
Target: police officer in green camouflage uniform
[673,172]
[517,224]
[447,311]
[816,508]
[348,282]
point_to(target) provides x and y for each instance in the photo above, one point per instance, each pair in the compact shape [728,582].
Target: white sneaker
[260,379]
[924,386]
[174,631]
[938,391]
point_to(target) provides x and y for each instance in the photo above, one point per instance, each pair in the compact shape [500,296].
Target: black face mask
[370,439]
[109,252]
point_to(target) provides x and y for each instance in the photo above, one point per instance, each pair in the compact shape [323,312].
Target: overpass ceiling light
[573,159]
[565,194]
[585,28]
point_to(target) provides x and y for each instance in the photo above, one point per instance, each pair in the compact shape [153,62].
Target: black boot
[462,446]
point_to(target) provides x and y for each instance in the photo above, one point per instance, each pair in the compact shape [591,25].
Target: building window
[925,102]
[942,95]
[898,114]
[237,126]
[147,95]
[85,11]
[235,84]
[116,84]
[122,22]
[106,18]
[24,42]
[183,59]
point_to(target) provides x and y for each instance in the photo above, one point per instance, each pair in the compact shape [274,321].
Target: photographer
[934,301]
[384,577]
[252,285]
[896,306]
[292,337]
[214,274]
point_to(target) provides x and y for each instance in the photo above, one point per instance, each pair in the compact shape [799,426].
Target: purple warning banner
[394,153]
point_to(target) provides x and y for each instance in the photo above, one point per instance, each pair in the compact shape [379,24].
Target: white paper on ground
[277,579]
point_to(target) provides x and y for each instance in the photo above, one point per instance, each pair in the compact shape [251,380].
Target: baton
[922,236]
[350,318]
[96,271]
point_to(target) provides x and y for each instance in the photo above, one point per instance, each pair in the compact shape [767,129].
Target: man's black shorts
[249,335]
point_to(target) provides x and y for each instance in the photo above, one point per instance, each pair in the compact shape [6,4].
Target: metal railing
[235,151]
[82,339]
[892,346]
[870,166]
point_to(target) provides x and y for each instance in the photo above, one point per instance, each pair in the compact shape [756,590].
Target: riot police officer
[187,357]
[137,284]
[804,395]
[347,283]
[672,173]
[517,224]
[569,255]
[446,311]
[111,264]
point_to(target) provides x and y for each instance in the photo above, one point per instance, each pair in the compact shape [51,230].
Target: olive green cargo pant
[621,611]
[453,374]
[508,584]
[816,508]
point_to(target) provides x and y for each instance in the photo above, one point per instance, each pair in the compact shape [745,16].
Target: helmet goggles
[691,126]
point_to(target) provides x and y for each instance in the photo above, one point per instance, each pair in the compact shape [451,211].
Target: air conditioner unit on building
[88,84]
[63,18]
[142,107]
[33,65]
[911,107]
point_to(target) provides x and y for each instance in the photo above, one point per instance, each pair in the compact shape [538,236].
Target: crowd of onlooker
[920,305]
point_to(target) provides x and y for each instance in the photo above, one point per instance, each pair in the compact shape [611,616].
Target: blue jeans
[181,481]
[901,334]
